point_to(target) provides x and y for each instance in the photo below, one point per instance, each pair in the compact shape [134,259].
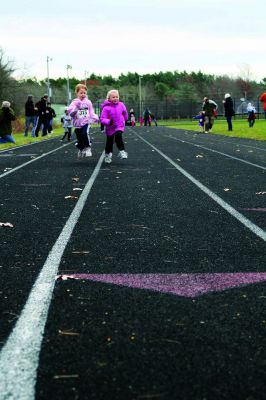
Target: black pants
[41,121]
[117,136]
[67,133]
[147,121]
[83,137]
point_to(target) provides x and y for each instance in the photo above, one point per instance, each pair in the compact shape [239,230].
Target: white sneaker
[122,154]
[108,158]
[87,152]
[80,153]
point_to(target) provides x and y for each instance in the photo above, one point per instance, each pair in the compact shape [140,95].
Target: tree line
[171,86]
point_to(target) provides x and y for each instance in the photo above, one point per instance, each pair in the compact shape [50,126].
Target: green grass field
[22,140]
[240,129]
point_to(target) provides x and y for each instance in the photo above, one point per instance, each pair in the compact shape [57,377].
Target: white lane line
[232,211]
[229,141]
[219,152]
[241,144]
[31,161]
[20,355]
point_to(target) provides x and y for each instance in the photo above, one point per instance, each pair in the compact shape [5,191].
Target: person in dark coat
[6,116]
[146,115]
[50,115]
[30,116]
[229,111]
[210,109]
[42,112]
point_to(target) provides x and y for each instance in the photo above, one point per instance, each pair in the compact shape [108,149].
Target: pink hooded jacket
[113,116]
[82,112]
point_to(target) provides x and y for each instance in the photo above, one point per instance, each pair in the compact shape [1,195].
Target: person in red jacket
[263,100]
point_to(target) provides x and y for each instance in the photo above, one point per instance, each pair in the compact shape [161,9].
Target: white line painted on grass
[31,161]
[232,211]
[19,357]
[219,152]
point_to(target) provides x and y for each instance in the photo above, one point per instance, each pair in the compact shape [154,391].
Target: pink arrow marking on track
[186,285]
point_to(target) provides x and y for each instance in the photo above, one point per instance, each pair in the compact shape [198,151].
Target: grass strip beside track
[240,128]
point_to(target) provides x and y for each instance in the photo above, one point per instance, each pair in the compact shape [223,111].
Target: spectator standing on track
[229,111]
[67,125]
[82,112]
[30,116]
[6,116]
[263,100]
[114,116]
[153,119]
[146,116]
[210,109]
[41,107]
[251,110]
[50,114]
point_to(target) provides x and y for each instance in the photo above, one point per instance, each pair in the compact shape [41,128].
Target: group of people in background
[80,114]
[39,116]
[145,119]
[208,113]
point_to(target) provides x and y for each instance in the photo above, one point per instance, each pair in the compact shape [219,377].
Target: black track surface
[142,216]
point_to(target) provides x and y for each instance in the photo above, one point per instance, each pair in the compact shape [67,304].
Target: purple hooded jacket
[82,112]
[113,116]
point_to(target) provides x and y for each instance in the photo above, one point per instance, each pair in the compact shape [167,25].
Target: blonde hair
[110,92]
[80,86]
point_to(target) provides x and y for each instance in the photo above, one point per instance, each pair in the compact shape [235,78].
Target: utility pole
[49,91]
[85,77]
[140,97]
[68,91]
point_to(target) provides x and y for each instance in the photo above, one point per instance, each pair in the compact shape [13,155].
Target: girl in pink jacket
[114,115]
[82,112]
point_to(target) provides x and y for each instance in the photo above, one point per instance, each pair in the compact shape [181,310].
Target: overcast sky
[109,37]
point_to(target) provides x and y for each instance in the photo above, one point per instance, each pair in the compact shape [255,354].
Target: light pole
[49,92]
[140,99]
[85,77]
[68,91]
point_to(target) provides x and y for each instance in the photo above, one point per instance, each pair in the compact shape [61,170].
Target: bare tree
[9,88]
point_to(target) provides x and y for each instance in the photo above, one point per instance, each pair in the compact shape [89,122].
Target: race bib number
[82,113]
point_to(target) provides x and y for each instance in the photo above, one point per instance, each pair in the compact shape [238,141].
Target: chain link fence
[167,109]
[187,108]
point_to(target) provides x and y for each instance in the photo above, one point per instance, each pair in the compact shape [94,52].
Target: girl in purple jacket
[114,115]
[83,115]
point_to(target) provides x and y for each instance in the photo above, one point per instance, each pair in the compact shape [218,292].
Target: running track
[143,279]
